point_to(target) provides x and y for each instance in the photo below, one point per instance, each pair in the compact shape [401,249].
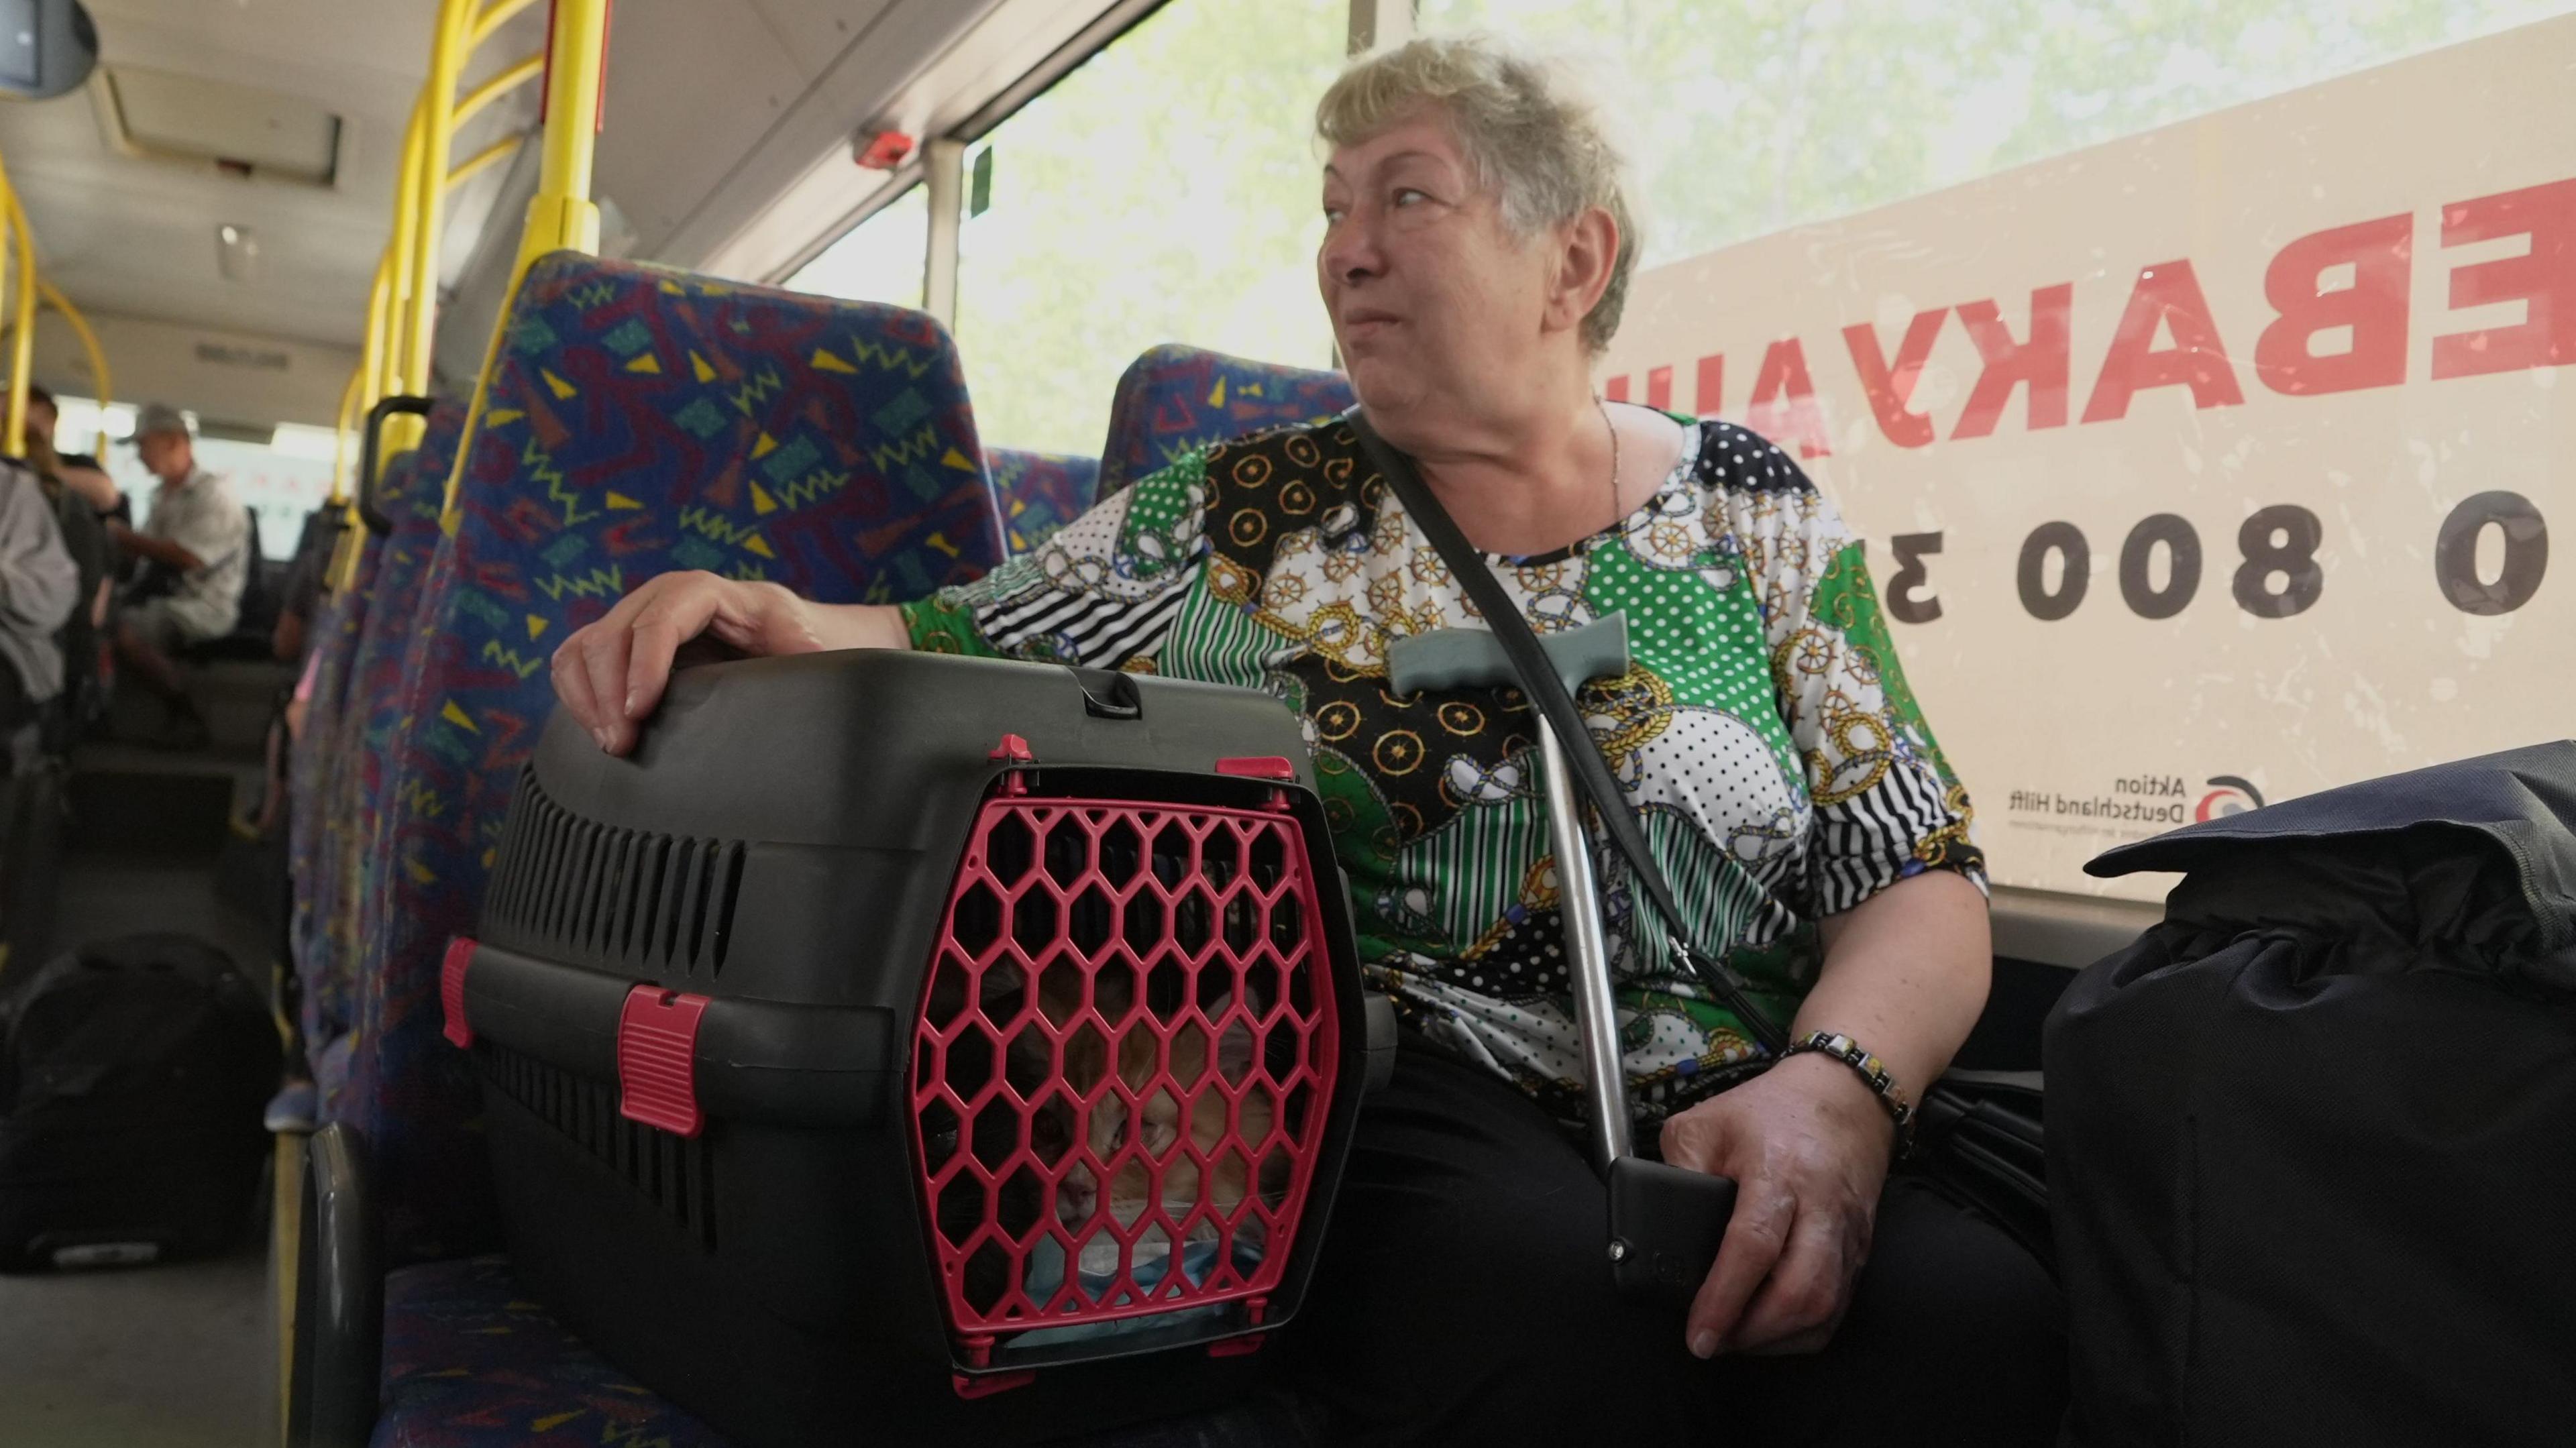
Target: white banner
[2201,469]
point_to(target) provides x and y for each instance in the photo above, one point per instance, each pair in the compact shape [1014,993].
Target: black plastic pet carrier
[892,1027]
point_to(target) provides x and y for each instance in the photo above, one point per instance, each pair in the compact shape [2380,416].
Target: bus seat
[316,831]
[1175,398]
[1040,492]
[469,1362]
[367,722]
[638,421]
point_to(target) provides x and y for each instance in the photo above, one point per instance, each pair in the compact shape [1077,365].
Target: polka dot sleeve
[1886,803]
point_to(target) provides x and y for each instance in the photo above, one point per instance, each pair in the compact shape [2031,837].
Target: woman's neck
[1541,479]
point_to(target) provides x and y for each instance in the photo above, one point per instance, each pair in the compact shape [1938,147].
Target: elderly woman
[1476,253]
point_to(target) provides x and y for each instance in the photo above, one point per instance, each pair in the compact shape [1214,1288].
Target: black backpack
[132,1076]
[2312,1139]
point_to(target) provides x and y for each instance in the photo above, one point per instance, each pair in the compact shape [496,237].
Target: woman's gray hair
[1532,137]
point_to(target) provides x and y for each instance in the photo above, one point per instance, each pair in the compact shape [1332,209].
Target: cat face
[1152,1126]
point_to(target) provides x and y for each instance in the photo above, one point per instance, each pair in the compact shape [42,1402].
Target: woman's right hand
[611,673]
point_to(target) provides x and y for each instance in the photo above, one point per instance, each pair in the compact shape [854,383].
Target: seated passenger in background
[81,473]
[39,591]
[1476,254]
[196,544]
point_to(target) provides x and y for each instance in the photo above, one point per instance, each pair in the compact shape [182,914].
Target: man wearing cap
[196,544]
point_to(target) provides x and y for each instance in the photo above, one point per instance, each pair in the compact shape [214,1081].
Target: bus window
[1163,192]
[878,260]
[1752,118]
[2188,369]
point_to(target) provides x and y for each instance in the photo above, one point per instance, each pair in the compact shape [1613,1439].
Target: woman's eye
[1334,214]
[1406,196]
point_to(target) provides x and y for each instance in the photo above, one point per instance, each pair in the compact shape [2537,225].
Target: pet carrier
[892,1026]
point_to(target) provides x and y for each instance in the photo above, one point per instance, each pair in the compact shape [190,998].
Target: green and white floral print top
[1764,730]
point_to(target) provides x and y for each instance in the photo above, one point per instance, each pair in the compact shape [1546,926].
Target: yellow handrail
[397,355]
[103,386]
[561,216]
[438,137]
[380,325]
[346,418]
[22,325]
[471,104]
[483,160]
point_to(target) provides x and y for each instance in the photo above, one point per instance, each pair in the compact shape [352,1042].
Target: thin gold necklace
[1604,409]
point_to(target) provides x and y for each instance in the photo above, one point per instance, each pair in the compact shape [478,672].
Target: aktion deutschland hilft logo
[2228,795]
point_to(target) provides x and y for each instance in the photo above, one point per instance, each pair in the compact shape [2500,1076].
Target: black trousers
[1462,1297]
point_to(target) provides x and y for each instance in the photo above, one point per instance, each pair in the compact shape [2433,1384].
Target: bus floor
[179,1353]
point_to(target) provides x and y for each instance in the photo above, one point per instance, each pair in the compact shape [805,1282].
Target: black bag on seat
[896,1040]
[2312,1139]
[132,1073]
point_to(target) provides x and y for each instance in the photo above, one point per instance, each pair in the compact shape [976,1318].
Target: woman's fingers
[612,672]
[676,616]
[1756,1236]
[1802,1299]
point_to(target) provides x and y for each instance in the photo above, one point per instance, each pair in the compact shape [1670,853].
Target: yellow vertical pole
[347,418]
[22,326]
[438,133]
[561,216]
[397,354]
[101,383]
[380,303]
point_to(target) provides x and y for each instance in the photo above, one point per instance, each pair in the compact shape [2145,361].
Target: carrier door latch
[657,1059]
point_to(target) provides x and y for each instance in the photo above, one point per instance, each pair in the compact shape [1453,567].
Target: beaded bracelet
[1882,1085]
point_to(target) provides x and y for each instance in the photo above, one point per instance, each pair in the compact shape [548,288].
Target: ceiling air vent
[238,129]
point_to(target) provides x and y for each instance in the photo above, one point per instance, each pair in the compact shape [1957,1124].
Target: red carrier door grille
[1124,1062]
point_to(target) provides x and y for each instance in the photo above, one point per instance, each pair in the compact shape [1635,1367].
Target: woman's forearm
[859,626]
[1905,975]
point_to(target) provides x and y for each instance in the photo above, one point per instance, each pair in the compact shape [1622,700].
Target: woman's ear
[1588,248]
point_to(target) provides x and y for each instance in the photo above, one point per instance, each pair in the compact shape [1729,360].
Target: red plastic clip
[451,992]
[657,1059]
[1013,750]
[1257,766]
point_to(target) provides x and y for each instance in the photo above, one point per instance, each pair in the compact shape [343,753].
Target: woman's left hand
[1808,1146]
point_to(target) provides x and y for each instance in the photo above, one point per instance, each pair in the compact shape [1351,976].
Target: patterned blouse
[1764,729]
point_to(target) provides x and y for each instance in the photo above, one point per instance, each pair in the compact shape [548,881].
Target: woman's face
[1434,302]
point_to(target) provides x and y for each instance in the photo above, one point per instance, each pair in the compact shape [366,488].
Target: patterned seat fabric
[1041,492]
[319,832]
[470,1364]
[637,421]
[409,495]
[1175,398]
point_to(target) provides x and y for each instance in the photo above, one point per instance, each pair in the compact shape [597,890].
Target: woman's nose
[1351,252]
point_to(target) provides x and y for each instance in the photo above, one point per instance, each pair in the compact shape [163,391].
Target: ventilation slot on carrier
[579,890]
[676,1174]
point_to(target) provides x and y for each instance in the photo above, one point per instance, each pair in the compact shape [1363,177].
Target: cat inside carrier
[892,1027]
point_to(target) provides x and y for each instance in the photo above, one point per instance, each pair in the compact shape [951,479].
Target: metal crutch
[1665,1222]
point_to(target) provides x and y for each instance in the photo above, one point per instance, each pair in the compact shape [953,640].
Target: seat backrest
[1175,398]
[408,495]
[1040,492]
[637,421]
[318,825]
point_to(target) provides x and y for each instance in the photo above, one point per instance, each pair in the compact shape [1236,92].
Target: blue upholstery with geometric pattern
[471,1364]
[1176,398]
[320,832]
[409,496]
[636,421]
[1041,492]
